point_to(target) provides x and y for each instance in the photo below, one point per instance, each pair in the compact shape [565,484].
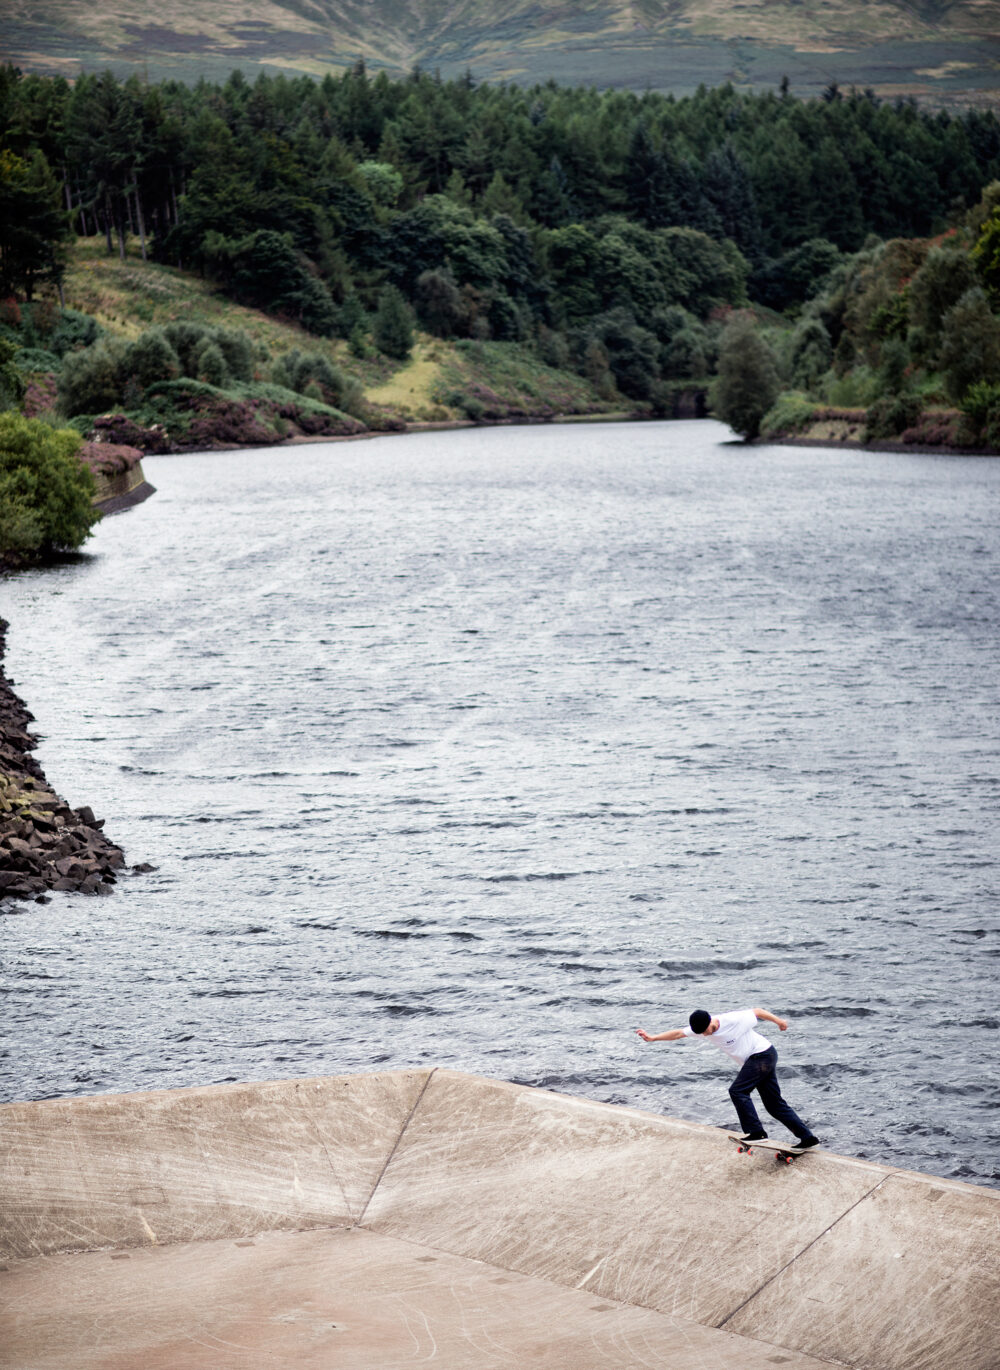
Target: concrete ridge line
[314,1124]
[395,1146]
[808,1246]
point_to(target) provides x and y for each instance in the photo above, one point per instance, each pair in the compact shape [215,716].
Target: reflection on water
[483,748]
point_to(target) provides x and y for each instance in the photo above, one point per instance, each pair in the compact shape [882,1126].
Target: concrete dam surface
[431,1217]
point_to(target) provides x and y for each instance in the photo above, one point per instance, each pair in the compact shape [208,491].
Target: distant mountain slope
[944,51]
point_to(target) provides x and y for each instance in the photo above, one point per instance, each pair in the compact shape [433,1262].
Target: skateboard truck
[783,1151]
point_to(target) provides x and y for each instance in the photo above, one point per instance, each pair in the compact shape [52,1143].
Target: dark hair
[699,1020]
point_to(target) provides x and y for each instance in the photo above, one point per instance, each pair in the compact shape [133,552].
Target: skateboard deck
[783,1151]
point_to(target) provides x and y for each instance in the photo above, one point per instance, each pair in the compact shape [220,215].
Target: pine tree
[392,327]
[33,225]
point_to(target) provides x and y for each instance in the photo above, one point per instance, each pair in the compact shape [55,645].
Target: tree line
[491,208]
[619,235]
[904,334]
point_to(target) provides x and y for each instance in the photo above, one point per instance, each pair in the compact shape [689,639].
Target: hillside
[440,383]
[945,53]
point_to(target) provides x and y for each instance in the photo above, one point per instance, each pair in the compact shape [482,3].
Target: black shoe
[806,1142]
[755,1136]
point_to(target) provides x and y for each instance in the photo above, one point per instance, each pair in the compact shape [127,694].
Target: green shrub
[790,413]
[855,389]
[937,287]
[210,364]
[46,493]
[890,415]
[632,352]
[351,315]
[185,389]
[29,359]
[844,355]
[73,331]
[298,370]
[970,344]
[392,327]
[811,353]
[684,355]
[553,348]
[12,386]
[442,308]
[357,342]
[186,338]
[981,405]
[237,349]
[91,381]
[893,366]
[151,358]
[507,321]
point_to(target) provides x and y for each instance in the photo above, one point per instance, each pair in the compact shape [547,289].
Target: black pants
[759,1073]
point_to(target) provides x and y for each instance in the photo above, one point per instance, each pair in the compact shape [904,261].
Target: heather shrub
[121,431]
[227,423]
[934,430]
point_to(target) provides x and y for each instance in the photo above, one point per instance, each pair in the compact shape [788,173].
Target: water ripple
[520,740]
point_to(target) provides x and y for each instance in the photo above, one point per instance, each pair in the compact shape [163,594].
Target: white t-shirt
[735,1035]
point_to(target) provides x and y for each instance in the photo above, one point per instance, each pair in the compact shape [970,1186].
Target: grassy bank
[441,381]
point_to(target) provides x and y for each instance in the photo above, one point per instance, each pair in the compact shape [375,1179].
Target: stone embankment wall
[118,474]
[44,844]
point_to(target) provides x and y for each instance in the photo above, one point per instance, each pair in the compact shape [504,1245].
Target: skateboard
[783,1151]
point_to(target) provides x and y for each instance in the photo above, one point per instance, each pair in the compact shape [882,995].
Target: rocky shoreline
[44,844]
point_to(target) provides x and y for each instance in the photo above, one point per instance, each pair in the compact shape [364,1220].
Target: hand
[641,1032]
[782,1023]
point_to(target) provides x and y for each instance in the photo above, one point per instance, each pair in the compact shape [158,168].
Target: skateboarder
[736,1035]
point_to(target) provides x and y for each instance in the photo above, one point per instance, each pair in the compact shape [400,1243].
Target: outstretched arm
[765,1017]
[674,1035]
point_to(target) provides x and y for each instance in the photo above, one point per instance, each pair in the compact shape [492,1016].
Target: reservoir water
[483,748]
